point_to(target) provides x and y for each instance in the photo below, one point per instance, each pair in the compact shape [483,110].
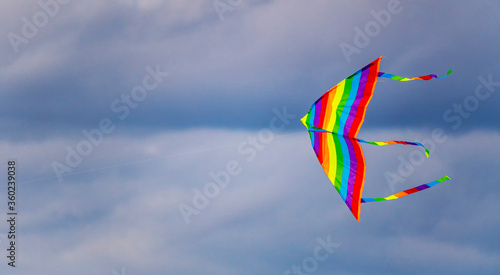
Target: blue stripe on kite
[432,183]
[314,141]
[361,140]
[359,96]
[346,111]
[381,74]
[311,135]
[346,168]
[312,114]
[352,98]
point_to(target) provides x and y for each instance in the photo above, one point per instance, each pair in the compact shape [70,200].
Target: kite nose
[304,120]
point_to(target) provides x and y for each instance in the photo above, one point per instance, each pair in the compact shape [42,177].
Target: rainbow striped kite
[333,123]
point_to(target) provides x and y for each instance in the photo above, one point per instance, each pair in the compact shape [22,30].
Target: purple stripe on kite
[422,187]
[359,95]
[352,172]
[316,143]
[317,113]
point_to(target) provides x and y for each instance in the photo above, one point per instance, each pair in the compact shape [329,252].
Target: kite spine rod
[380,143]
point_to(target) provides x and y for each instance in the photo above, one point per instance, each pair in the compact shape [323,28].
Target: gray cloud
[268,217]
[262,55]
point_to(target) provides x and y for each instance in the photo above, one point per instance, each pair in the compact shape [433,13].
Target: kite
[333,123]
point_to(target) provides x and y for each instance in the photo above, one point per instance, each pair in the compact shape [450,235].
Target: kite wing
[342,109]
[343,161]
[333,122]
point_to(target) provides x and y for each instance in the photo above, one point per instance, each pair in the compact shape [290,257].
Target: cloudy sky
[163,137]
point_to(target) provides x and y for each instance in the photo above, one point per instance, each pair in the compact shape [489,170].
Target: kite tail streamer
[424,77]
[392,142]
[407,192]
